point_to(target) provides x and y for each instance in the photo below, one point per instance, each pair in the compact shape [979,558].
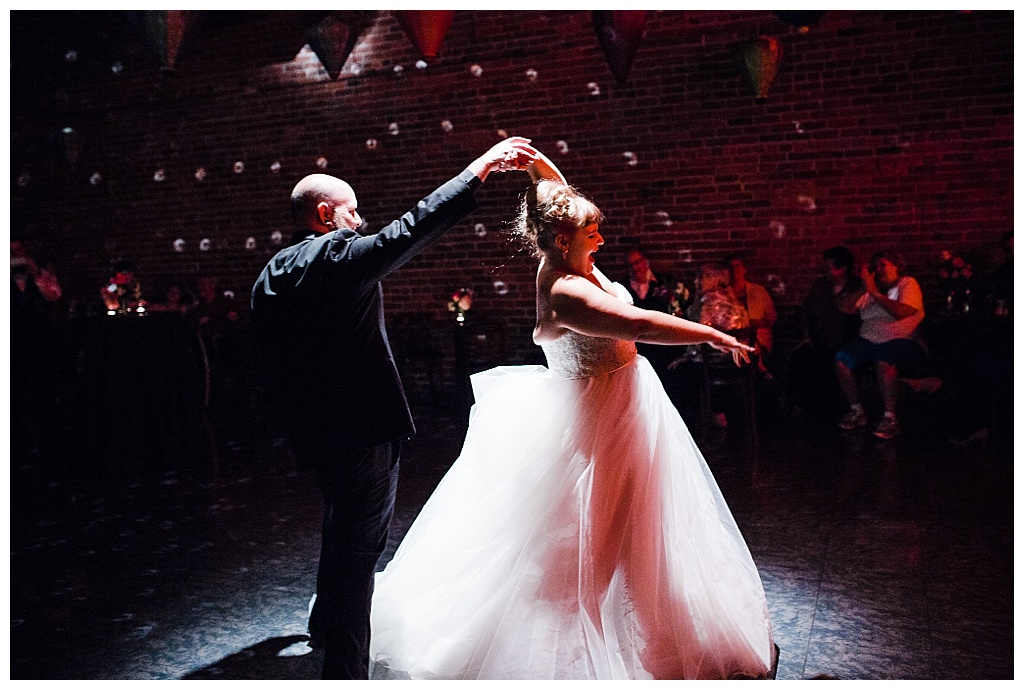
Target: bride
[580,534]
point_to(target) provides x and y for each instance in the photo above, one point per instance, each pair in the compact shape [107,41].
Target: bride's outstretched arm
[579,305]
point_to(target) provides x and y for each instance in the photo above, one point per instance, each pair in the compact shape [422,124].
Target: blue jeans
[908,356]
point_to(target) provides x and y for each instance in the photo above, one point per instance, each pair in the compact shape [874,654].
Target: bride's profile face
[581,247]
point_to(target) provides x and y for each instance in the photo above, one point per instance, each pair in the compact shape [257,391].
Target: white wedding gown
[579,535]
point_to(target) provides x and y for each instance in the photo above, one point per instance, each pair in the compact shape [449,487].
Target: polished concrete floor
[880,560]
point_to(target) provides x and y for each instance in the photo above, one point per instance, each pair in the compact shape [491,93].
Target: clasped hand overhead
[514,153]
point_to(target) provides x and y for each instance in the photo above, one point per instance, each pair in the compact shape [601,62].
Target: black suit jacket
[318,316]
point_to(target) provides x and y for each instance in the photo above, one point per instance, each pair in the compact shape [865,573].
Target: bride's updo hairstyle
[550,208]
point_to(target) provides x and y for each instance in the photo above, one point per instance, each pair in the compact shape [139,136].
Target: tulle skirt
[579,535]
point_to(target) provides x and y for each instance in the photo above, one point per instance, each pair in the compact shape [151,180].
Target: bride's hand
[740,351]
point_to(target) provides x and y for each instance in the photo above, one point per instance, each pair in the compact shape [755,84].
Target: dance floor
[880,560]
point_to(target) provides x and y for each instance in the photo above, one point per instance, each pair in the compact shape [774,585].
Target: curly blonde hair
[548,209]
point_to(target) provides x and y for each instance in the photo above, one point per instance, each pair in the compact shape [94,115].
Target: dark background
[881,130]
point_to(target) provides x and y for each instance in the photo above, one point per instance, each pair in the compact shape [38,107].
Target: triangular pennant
[619,32]
[165,31]
[426,28]
[801,18]
[759,59]
[332,40]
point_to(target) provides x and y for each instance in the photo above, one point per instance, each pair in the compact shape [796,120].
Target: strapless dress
[579,535]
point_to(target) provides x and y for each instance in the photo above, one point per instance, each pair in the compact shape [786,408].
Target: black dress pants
[358,487]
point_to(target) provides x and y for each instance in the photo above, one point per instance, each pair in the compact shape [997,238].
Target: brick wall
[882,130]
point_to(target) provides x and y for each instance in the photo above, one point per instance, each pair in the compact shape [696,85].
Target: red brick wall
[882,130]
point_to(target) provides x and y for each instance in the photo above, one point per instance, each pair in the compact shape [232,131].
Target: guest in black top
[317,312]
[811,383]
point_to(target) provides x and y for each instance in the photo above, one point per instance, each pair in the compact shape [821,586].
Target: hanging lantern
[801,19]
[619,32]
[164,31]
[759,60]
[426,28]
[332,40]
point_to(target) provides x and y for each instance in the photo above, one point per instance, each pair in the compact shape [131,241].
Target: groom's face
[345,213]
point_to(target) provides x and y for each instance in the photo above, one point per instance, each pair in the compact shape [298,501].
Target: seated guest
[648,289]
[33,338]
[653,291]
[811,380]
[891,308]
[760,308]
[175,300]
[716,304]
[216,317]
[999,286]
[989,364]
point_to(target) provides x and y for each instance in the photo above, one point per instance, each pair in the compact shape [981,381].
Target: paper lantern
[165,31]
[426,28]
[332,40]
[619,32]
[759,60]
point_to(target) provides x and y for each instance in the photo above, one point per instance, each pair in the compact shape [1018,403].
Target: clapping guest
[891,308]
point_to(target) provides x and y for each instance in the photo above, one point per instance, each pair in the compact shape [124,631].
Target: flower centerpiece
[122,294]
[460,303]
[955,276]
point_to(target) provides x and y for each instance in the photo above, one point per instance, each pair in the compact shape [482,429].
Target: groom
[318,316]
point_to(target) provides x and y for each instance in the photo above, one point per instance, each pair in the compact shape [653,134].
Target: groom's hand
[514,153]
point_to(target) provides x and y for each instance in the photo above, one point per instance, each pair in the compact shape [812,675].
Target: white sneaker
[853,419]
[887,428]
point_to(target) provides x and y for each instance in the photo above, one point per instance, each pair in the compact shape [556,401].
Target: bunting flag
[426,28]
[332,40]
[801,19]
[619,32]
[165,31]
[759,60]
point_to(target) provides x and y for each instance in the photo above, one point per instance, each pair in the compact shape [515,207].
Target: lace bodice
[578,356]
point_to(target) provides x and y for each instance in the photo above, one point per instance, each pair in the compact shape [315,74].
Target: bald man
[318,315]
